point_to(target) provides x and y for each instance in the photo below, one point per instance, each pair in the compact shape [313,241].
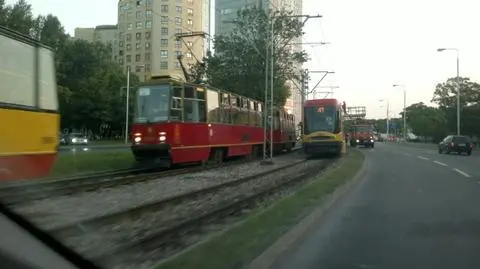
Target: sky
[373,44]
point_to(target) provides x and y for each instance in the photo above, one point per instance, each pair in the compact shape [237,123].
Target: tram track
[198,211]
[25,192]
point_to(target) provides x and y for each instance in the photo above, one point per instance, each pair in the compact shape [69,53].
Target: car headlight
[358,141]
[74,140]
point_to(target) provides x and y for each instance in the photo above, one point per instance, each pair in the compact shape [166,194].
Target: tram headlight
[74,140]
[137,139]
[162,138]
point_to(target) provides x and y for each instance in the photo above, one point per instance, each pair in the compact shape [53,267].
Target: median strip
[239,245]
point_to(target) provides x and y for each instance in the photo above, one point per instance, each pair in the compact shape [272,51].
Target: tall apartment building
[106,34]
[146,32]
[226,10]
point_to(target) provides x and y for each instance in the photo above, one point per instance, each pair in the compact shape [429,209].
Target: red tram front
[176,122]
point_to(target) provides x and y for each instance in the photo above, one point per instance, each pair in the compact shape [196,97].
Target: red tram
[178,122]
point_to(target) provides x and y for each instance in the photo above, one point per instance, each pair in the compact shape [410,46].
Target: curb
[288,241]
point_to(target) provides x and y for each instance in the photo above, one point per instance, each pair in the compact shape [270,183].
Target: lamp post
[404,109]
[458,85]
[127,104]
[388,116]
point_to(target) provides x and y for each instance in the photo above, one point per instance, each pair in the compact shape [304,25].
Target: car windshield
[364,128]
[76,135]
[153,104]
[320,118]
[461,139]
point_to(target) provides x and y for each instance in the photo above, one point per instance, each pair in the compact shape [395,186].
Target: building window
[139,25]
[178,31]
[147,35]
[164,31]
[121,61]
[164,20]
[129,58]
[147,57]
[178,53]
[148,13]
[164,42]
[164,53]
[121,44]
[137,46]
[147,68]
[163,65]
[149,2]
[138,36]
[177,65]
[138,57]
[139,3]
[148,24]
[178,20]
[178,44]
[129,47]
[190,22]
[139,14]
[189,55]
[129,26]
[190,11]
[164,8]
[147,45]
[190,1]
[178,9]
[189,43]
[138,68]
[128,37]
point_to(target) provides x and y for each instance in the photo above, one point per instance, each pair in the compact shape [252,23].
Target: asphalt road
[65,150]
[413,209]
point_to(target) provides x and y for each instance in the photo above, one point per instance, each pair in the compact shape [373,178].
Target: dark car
[456,143]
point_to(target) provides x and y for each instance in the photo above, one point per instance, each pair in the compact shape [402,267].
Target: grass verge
[238,246]
[70,164]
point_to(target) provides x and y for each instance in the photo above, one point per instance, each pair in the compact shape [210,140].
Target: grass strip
[241,244]
[84,162]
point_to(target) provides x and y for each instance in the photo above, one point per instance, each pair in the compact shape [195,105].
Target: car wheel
[469,153]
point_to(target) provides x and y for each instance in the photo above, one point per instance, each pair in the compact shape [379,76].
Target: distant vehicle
[28,107]
[456,143]
[363,133]
[74,139]
[323,127]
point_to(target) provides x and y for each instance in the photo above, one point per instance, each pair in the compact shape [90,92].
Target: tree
[427,121]
[445,95]
[239,62]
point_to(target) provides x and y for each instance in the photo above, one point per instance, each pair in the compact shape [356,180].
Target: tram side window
[48,85]
[225,107]
[213,107]
[190,92]
[176,109]
[192,110]
[17,85]
[177,91]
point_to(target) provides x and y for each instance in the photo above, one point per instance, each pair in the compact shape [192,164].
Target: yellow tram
[29,115]
[323,127]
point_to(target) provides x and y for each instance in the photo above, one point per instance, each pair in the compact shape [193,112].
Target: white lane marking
[461,172]
[423,158]
[440,163]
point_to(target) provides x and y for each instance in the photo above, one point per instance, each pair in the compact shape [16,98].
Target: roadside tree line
[433,123]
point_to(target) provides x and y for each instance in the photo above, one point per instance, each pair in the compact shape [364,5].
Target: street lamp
[458,85]
[404,109]
[388,115]
[126,104]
